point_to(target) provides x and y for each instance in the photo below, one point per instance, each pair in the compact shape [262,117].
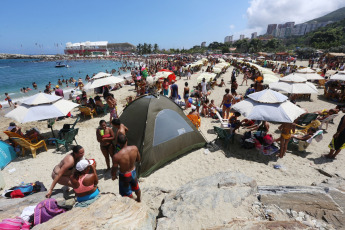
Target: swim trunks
[128,182]
[227,105]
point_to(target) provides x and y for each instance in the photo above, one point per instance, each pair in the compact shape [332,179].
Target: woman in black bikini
[62,172]
[105,136]
[186,94]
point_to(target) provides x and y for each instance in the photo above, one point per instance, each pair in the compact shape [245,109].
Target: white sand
[297,169]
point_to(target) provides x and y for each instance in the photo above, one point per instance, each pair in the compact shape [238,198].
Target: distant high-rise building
[203,44]
[228,39]
[271,28]
[241,36]
[254,35]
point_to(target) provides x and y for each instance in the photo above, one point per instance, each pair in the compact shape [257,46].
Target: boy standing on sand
[8,99]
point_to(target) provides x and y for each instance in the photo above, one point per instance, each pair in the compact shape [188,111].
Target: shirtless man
[62,172]
[126,159]
[286,129]
[226,103]
[121,128]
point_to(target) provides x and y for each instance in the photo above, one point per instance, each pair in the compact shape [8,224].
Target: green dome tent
[160,130]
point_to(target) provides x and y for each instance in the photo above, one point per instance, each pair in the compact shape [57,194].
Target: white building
[228,39]
[89,48]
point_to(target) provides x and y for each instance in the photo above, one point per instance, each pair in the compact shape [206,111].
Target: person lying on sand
[62,172]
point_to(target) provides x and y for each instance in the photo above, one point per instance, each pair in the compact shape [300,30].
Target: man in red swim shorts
[126,159]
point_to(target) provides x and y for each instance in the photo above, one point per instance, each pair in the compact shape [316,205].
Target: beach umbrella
[216,70]
[311,76]
[208,77]
[102,82]
[306,70]
[40,98]
[26,113]
[261,57]
[340,76]
[268,96]
[275,112]
[295,88]
[292,78]
[270,78]
[101,75]
[164,73]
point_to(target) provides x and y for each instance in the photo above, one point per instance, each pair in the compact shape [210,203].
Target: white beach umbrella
[274,112]
[261,57]
[163,74]
[268,96]
[306,70]
[207,76]
[295,88]
[40,98]
[270,78]
[340,76]
[311,76]
[293,78]
[103,81]
[216,70]
[101,75]
[26,113]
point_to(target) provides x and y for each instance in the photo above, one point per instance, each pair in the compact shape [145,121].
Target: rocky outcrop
[208,202]
[322,203]
[108,212]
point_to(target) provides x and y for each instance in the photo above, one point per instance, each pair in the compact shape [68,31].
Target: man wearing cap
[174,91]
[58,91]
[126,159]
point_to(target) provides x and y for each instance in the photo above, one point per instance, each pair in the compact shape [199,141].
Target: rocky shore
[41,57]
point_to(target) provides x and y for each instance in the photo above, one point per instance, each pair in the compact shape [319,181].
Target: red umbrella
[171,77]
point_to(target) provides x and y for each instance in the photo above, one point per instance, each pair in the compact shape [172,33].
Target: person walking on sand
[8,99]
[286,130]
[62,172]
[338,140]
[126,159]
[105,136]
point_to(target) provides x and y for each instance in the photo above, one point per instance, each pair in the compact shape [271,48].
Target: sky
[44,27]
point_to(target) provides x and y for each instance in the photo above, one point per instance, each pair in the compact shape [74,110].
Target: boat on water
[59,65]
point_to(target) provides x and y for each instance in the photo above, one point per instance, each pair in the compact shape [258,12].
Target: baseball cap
[83,164]
[57,86]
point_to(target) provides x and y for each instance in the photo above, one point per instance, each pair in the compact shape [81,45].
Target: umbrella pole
[51,128]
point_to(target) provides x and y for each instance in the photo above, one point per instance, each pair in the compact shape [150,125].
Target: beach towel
[46,210]
[14,224]
[86,203]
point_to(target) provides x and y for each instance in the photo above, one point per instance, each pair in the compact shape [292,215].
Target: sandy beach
[297,168]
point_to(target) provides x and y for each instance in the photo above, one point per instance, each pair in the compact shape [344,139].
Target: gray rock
[262,225]
[108,212]
[322,203]
[207,202]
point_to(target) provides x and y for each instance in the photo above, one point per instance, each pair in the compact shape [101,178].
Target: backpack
[15,224]
[46,210]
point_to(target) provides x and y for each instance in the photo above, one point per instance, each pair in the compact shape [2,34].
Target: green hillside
[334,16]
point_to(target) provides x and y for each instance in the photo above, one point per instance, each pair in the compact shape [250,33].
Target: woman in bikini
[83,182]
[105,136]
[62,172]
[186,94]
[287,129]
[226,103]
[236,97]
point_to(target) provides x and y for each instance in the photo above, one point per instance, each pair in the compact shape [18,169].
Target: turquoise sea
[18,73]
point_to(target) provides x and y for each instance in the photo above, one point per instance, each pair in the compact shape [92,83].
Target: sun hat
[83,164]
[12,126]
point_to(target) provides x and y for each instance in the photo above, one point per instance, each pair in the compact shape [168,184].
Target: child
[8,99]
[234,124]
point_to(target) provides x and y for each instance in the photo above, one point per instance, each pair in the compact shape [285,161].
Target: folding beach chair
[27,145]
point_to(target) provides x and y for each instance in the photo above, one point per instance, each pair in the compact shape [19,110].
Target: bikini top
[82,188]
[106,135]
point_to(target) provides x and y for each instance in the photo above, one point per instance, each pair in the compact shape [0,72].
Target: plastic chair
[223,122]
[12,134]
[86,111]
[68,127]
[195,120]
[224,135]
[327,120]
[27,145]
[69,137]
[314,124]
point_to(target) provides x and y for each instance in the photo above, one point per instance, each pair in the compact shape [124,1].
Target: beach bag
[15,224]
[46,210]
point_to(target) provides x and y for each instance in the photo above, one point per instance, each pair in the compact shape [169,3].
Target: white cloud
[232,27]
[263,12]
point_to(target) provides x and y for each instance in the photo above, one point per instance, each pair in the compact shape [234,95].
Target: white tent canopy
[295,88]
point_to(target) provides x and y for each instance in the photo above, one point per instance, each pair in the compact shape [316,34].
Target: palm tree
[140,48]
[155,48]
[149,48]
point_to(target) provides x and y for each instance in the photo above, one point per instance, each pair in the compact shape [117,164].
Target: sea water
[18,73]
